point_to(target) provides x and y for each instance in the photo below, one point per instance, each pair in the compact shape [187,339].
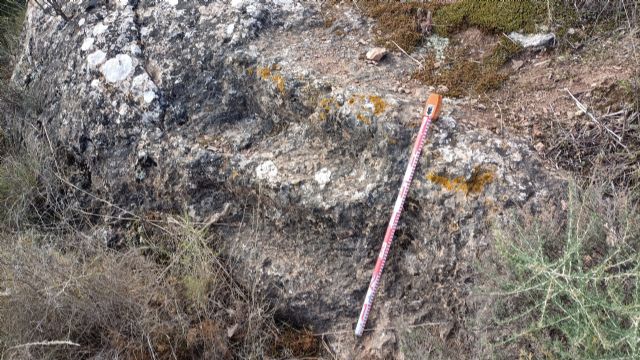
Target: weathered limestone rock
[227,105]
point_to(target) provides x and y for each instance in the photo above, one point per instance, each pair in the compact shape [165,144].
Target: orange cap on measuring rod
[433,105]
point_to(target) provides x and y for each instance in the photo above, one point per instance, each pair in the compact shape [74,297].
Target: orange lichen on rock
[267,73]
[325,107]
[279,81]
[363,119]
[264,72]
[378,104]
[479,179]
[326,103]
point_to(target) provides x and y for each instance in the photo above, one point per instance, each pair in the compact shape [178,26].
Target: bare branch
[44,343]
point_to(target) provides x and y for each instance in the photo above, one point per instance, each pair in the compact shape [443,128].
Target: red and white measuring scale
[431,111]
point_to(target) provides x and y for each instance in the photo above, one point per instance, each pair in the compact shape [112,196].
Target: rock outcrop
[261,109]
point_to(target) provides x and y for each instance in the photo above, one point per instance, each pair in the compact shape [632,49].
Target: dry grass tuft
[30,194]
[114,304]
[101,301]
[604,142]
[11,18]
[618,12]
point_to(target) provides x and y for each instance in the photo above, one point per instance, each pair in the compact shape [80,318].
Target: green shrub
[572,291]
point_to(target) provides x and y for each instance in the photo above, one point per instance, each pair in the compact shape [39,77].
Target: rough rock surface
[259,106]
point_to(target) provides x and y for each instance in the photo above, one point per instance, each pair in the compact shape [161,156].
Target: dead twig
[44,343]
[584,109]
[410,57]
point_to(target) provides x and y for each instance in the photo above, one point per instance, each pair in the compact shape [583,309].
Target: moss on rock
[397,21]
[491,16]
[462,75]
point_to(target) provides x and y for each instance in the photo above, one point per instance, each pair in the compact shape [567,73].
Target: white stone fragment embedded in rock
[254,10]
[230,28]
[267,171]
[81,22]
[149,96]
[117,68]
[99,29]
[173,2]
[323,177]
[238,4]
[96,58]
[143,88]
[135,50]
[533,40]
[87,44]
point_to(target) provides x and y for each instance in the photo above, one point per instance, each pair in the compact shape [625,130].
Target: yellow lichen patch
[378,104]
[279,81]
[325,103]
[354,99]
[479,179]
[264,73]
[363,119]
[325,107]
[250,71]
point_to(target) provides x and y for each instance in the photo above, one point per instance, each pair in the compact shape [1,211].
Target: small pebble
[376,54]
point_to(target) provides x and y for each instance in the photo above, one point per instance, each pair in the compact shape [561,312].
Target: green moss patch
[397,22]
[491,16]
[463,75]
